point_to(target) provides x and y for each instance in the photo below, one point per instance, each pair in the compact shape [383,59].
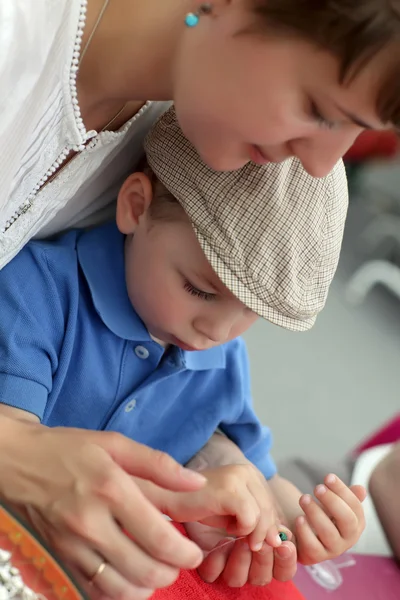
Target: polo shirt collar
[203,360]
[101,255]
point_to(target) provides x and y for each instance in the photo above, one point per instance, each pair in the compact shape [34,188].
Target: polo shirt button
[142,352]
[130,406]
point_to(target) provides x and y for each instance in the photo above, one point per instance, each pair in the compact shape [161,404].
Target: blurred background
[330,387]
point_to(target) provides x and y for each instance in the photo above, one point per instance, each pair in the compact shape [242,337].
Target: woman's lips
[258,157]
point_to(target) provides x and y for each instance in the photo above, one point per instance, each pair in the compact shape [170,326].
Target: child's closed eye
[194,291]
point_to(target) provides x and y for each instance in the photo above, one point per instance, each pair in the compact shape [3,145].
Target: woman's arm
[384,487]
[76,486]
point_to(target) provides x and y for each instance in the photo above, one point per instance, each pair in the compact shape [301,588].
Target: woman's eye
[320,119]
[196,292]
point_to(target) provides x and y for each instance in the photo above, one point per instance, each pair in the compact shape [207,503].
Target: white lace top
[40,125]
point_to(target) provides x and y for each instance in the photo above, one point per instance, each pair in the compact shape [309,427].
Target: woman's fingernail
[306,499]
[257,547]
[320,490]
[301,520]
[283,552]
[331,479]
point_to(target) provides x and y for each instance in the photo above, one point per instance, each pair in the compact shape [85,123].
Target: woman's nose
[320,154]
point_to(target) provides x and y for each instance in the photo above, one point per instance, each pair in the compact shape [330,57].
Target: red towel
[189,586]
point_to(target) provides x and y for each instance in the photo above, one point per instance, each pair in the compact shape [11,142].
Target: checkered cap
[271,233]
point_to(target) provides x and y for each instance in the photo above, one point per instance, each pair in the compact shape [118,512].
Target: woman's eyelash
[196,292]
[322,121]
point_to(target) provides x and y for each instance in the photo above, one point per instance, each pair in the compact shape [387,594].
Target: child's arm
[218,452]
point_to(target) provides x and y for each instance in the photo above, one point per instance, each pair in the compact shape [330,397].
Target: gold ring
[99,571]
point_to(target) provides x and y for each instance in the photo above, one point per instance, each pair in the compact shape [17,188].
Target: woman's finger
[136,564]
[94,573]
[96,593]
[156,545]
[141,461]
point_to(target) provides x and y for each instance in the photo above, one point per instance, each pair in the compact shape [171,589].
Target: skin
[198,309]
[195,307]
[195,311]
[237,97]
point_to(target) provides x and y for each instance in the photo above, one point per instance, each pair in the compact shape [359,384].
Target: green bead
[283,536]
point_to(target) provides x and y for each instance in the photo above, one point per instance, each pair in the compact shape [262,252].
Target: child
[146,316]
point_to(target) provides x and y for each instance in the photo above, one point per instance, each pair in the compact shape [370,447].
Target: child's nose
[216,330]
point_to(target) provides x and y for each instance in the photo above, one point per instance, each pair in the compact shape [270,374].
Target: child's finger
[262,564]
[243,512]
[267,530]
[345,509]
[237,568]
[274,537]
[359,491]
[319,521]
[267,525]
[308,544]
[339,488]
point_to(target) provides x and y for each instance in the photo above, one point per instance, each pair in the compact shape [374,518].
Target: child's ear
[134,199]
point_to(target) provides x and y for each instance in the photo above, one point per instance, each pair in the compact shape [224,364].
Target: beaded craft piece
[27,570]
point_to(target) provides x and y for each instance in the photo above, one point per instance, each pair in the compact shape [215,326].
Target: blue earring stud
[192,19]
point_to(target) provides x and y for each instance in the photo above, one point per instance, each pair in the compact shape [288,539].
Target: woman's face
[242,97]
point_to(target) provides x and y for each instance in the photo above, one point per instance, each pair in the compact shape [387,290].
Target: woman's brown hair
[355,31]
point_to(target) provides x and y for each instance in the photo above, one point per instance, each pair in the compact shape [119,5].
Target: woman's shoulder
[28,31]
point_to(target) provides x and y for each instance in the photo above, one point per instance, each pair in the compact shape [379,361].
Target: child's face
[172,286]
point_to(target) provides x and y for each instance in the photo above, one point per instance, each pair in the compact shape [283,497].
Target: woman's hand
[76,488]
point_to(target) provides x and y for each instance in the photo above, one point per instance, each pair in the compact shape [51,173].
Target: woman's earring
[192,19]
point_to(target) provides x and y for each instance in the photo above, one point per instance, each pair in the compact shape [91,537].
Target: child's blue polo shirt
[74,352]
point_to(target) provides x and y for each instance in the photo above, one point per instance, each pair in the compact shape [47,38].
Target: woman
[251,80]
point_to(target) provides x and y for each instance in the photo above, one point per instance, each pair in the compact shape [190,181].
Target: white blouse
[40,124]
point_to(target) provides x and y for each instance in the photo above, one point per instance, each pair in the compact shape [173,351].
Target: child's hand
[241,503]
[332,524]
[241,491]
[237,563]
